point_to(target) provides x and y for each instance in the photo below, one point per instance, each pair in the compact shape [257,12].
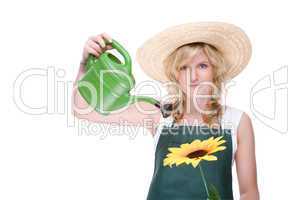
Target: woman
[200,139]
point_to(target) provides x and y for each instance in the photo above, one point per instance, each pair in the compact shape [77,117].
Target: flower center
[196,154]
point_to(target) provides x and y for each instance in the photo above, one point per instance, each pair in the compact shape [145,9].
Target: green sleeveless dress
[194,162]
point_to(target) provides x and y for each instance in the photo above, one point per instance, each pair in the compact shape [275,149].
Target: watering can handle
[124,53]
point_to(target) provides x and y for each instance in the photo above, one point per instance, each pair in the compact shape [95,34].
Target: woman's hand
[96,45]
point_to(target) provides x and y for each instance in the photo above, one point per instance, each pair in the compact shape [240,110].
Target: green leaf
[213,193]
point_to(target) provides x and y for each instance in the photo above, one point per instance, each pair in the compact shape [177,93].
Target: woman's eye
[203,65]
[183,67]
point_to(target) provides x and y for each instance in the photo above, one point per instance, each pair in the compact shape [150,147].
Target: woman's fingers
[108,47]
[99,39]
[104,40]
[107,37]
[95,46]
[90,50]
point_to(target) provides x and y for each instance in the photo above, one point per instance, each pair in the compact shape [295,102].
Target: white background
[44,157]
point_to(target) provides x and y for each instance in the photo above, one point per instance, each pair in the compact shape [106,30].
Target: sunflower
[192,153]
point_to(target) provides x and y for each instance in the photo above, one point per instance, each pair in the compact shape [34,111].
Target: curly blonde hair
[172,65]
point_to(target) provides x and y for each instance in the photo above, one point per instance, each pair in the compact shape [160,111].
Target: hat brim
[227,38]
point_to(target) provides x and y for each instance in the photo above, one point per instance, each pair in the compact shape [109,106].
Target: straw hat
[227,38]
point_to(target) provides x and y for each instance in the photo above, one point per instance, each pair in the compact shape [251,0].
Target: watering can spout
[165,109]
[145,99]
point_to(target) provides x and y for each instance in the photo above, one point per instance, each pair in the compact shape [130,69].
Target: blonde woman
[199,139]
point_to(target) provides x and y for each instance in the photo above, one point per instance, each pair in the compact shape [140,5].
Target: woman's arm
[246,161]
[138,114]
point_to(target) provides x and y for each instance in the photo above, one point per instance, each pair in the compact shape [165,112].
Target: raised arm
[138,114]
[246,161]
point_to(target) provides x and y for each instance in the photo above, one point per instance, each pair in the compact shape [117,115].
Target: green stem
[204,180]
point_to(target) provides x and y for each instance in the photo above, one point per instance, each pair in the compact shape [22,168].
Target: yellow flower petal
[218,138]
[187,161]
[220,142]
[166,161]
[220,148]
[195,162]
[184,146]
[195,143]
[209,158]
[208,141]
[174,149]
[180,161]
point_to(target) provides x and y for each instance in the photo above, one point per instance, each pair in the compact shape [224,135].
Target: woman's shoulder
[232,109]
[233,115]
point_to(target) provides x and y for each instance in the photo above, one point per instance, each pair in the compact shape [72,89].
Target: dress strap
[231,120]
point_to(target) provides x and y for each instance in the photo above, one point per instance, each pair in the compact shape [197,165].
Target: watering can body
[107,82]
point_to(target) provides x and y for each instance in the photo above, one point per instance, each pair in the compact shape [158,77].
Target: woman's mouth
[194,84]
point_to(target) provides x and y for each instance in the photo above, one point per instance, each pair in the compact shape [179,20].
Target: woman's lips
[193,85]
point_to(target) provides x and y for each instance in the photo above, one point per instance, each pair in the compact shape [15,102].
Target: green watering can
[107,82]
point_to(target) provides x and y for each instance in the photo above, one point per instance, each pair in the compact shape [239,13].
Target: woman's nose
[193,75]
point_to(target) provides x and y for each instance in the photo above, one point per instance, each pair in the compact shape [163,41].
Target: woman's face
[196,75]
